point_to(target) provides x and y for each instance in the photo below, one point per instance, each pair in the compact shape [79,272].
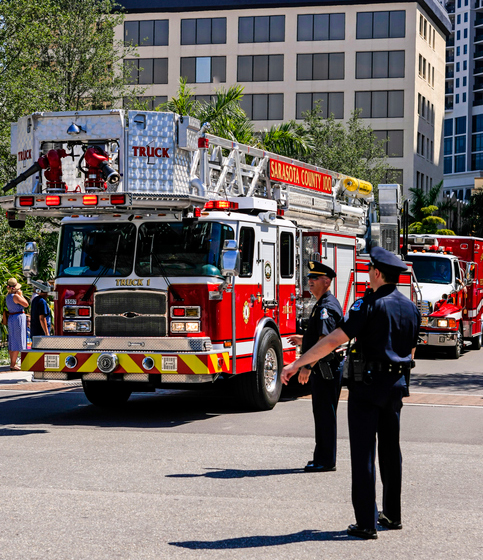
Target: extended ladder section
[96,162]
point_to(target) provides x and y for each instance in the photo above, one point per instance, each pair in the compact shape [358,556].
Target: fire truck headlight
[77,326]
[185,326]
[443,323]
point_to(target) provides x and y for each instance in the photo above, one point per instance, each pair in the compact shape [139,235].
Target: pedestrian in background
[17,324]
[385,324]
[325,375]
[40,315]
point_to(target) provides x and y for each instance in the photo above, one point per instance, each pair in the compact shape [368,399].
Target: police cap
[386,262]
[317,269]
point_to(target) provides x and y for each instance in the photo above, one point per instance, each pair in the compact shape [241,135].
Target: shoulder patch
[324,313]
[356,305]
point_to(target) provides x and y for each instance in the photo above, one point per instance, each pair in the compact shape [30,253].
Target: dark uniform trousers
[325,398]
[374,409]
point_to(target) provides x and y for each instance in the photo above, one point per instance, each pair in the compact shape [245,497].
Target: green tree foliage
[55,55]
[430,223]
[423,209]
[351,148]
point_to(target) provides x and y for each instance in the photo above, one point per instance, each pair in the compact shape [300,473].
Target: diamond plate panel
[126,344]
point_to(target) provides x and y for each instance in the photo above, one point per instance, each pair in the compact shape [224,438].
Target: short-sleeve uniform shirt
[324,318]
[386,325]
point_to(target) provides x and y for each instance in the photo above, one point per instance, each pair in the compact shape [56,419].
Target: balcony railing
[449,74]
[448,106]
[449,57]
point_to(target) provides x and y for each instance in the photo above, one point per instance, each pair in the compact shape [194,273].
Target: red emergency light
[119,199]
[26,201]
[89,200]
[52,200]
[221,205]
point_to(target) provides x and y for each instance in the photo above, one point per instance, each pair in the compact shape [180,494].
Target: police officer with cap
[385,324]
[325,378]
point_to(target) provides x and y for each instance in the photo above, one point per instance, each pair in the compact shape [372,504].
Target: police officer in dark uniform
[325,376]
[385,324]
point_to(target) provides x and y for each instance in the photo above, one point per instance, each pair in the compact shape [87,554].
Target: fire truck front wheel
[476,342]
[105,394]
[456,350]
[261,389]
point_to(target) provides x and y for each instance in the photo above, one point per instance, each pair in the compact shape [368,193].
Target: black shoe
[314,467]
[355,531]
[387,523]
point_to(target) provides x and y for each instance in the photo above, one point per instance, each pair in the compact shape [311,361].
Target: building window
[380,64]
[448,146]
[458,35]
[477,123]
[477,162]
[448,165]
[464,97]
[203,69]
[448,127]
[263,107]
[321,27]
[465,33]
[460,144]
[147,33]
[381,25]
[394,145]
[460,125]
[260,68]
[320,66]
[464,81]
[380,104]
[459,164]
[457,98]
[457,67]
[147,70]
[465,65]
[203,31]
[465,17]
[329,104]
[261,29]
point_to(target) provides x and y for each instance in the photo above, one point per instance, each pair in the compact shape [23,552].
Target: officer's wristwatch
[308,366]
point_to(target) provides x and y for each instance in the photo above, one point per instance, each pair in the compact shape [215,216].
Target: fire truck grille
[130,313]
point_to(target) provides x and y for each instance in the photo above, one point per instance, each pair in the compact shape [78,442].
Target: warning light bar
[221,205]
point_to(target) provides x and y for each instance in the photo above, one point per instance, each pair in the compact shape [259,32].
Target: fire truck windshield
[433,270]
[96,249]
[177,249]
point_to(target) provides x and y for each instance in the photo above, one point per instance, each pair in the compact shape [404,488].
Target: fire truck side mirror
[470,274]
[230,258]
[30,264]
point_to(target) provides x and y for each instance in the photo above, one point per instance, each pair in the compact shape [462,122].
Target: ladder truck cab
[182,256]
[450,276]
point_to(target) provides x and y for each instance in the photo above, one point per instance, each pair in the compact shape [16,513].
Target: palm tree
[421,200]
[227,119]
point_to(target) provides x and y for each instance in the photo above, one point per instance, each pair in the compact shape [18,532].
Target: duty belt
[388,367]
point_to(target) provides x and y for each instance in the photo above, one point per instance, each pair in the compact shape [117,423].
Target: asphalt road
[191,475]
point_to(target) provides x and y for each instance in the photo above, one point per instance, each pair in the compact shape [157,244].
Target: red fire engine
[450,276]
[182,256]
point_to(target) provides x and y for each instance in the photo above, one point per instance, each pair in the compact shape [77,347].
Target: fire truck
[182,256]
[450,276]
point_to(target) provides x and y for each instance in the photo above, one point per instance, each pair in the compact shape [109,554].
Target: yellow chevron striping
[194,363]
[30,360]
[129,365]
[90,365]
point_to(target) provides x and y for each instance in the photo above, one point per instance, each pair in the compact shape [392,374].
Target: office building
[387,58]
[463,124]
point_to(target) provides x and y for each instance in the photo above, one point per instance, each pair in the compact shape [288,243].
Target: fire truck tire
[261,389]
[105,394]
[476,342]
[455,351]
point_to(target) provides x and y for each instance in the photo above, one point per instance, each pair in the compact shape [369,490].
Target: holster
[357,366]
